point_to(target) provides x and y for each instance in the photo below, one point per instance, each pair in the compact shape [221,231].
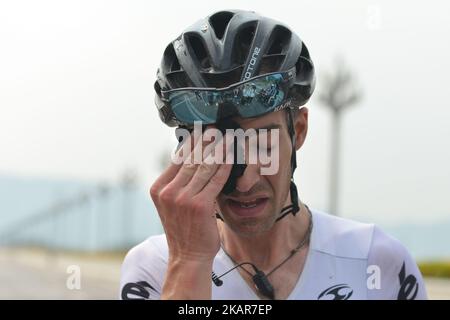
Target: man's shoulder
[341,237]
[348,238]
[143,269]
[389,264]
[146,264]
[153,246]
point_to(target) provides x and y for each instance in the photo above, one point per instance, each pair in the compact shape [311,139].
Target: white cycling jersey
[346,260]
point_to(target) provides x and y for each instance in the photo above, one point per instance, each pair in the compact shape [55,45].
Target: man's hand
[184,196]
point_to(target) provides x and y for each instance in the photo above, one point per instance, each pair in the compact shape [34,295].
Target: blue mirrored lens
[250,99]
[189,107]
[261,96]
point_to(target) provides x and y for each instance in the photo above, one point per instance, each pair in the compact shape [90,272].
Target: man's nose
[250,177]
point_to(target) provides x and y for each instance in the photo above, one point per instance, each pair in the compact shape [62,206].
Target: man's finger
[217,181]
[190,165]
[202,175]
[168,175]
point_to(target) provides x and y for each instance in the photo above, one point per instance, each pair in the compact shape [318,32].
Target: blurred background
[81,141]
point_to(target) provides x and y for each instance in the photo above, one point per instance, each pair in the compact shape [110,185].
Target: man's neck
[267,249]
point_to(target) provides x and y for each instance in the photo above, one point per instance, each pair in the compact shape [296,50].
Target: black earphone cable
[260,278]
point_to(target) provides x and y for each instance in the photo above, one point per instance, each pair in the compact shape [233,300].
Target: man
[230,231]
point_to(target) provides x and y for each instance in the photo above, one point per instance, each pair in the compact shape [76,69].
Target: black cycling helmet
[232,46]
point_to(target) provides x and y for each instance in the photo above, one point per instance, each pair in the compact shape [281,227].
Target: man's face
[255,204]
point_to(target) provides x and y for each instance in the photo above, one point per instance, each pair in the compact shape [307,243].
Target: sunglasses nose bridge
[226,110]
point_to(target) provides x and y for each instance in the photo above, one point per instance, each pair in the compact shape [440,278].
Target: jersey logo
[336,292]
[408,285]
[136,291]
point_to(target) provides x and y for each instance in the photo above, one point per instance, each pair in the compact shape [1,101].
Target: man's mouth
[247,207]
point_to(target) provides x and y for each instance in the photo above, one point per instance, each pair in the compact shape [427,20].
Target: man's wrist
[188,279]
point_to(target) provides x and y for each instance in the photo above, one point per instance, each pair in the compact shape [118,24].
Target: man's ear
[301,127]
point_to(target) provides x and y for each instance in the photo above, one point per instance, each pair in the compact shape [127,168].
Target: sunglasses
[250,98]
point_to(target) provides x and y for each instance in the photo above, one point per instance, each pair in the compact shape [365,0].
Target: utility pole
[338,94]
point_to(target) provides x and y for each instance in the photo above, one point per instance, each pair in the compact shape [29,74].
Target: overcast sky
[76,97]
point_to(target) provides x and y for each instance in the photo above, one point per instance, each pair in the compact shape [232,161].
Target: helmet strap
[294,207]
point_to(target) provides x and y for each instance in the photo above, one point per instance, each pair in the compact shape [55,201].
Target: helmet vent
[223,79]
[170,59]
[271,63]
[179,79]
[157,88]
[243,43]
[280,40]
[304,69]
[219,22]
[305,52]
[199,50]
